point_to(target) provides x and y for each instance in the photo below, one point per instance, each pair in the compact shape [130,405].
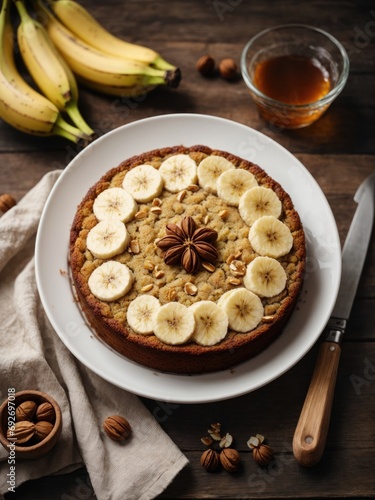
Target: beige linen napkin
[33,357]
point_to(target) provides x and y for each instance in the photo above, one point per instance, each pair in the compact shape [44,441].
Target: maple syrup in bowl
[294,72]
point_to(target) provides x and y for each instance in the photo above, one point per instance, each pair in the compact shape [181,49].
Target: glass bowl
[300,42]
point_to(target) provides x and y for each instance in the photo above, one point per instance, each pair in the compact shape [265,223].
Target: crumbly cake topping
[196,242]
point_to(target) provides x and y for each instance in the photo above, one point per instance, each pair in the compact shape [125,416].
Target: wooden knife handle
[312,427]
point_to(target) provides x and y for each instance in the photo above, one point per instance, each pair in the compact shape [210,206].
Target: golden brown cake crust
[189,358]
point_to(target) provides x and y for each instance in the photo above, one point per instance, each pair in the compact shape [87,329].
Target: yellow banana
[97,67]
[20,105]
[78,20]
[136,90]
[40,60]
[47,68]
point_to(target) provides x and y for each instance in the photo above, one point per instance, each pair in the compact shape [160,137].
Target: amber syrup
[292,79]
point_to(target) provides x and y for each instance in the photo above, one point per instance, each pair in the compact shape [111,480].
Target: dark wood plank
[272,410]
[20,172]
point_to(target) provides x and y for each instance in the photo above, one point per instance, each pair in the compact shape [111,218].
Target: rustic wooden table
[338,150]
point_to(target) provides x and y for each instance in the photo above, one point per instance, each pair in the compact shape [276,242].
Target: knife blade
[312,427]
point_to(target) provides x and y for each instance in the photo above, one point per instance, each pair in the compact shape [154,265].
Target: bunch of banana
[82,24]
[99,59]
[47,68]
[20,105]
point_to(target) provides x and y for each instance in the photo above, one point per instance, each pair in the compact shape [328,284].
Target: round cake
[187,259]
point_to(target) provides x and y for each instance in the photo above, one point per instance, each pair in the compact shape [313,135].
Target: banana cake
[187,259]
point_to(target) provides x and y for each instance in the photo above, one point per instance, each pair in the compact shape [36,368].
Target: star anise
[186,245]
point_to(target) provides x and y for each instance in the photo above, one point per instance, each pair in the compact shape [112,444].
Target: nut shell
[230,459]
[206,65]
[42,429]
[210,460]
[6,202]
[45,412]
[25,411]
[117,428]
[23,431]
[263,454]
[228,69]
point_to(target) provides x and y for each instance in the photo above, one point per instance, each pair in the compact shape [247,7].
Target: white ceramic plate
[323,257]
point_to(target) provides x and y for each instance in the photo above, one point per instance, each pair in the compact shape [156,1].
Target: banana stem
[161,63]
[22,10]
[66,130]
[173,77]
[72,109]
[159,77]
[3,14]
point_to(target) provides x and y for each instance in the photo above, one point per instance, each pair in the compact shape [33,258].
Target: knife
[312,427]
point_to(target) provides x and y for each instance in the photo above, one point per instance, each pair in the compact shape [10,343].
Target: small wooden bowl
[36,450]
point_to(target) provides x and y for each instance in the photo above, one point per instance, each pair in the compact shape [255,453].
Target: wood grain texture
[339,152]
[310,436]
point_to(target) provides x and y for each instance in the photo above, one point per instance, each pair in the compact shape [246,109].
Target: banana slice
[115,203]
[210,169]
[259,201]
[143,182]
[233,183]
[178,172]
[141,314]
[265,276]
[244,310]
[110,281]
[107,239]
[223,298]
[211,323]
[174,323]
[269,236]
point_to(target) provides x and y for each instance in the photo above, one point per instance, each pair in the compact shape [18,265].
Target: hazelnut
[230,459]
[42,429]
[25,411]
[23,431]
[228,69]
[6,202]
[117,428]
[210,460]
[45,412]
[205,65]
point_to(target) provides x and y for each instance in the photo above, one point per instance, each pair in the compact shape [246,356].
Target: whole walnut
[42,429]
[210,460]
[263,454]
[25,411]
[117,428]
[230,459]
[45,412]
[23,432]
